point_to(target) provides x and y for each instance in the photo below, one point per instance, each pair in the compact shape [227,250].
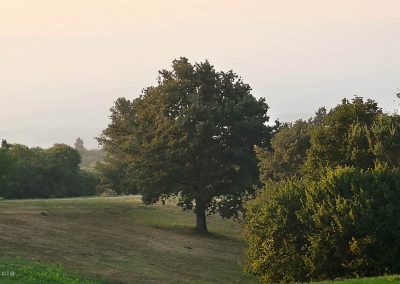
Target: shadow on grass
[191,231]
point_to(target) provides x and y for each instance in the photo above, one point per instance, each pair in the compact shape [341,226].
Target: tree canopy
[354,133]
[191,136]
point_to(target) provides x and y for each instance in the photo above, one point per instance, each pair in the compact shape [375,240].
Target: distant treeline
[43,173]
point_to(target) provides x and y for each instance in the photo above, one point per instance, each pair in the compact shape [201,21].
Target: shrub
[345,224]
[354,223]
[275,234]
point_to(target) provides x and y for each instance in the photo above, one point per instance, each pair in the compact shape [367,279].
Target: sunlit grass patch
[18,270]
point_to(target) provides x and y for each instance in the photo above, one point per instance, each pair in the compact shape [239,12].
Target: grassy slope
[121,240]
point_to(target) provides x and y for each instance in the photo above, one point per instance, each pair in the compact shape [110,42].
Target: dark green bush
[88,182]
[354,219]
[345,224]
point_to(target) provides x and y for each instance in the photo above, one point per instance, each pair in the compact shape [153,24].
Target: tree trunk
[201,221]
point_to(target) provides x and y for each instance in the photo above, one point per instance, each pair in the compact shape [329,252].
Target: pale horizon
[63,63]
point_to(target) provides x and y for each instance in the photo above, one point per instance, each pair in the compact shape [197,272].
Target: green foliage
[88,182]
[7,164]
[330,203]
[191,136]
[384,137]
[288,154]
[355,225]
[343,138]
[38,173]
[62,170]
[354,133]
[114,176]
[274,233]
[345,224]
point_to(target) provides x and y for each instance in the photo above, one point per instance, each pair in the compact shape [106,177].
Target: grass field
[116,239]
[119,240]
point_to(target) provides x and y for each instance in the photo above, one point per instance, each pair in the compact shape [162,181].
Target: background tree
[114,176]
[29,176]
[7,165]
[288,152]
[63,169]
[114,169]
[79,145]
[341,139]
[191,136]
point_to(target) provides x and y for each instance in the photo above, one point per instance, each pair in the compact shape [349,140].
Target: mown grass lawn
[117,239]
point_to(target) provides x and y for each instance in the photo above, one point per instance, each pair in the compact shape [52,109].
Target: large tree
[191,136]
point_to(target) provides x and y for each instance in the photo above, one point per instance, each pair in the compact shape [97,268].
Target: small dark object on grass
[86,254]
[44,213]
[187,247]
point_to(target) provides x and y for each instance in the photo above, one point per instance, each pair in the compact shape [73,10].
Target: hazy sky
[64,62]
